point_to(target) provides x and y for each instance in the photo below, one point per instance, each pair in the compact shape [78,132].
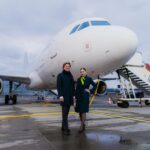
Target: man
[66,94]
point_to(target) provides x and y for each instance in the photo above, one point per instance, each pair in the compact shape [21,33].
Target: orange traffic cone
[109,100]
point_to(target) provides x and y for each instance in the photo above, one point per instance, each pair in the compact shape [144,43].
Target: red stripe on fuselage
[147,66]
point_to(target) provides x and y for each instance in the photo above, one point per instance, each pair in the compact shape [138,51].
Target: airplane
[92,43]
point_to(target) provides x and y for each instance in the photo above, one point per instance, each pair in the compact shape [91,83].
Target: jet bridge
[135,74]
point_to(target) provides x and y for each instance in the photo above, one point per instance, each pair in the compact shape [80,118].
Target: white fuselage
[100,49]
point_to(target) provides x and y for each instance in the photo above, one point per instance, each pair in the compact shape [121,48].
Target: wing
[16,78]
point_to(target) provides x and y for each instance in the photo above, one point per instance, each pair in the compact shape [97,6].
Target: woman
[82,96]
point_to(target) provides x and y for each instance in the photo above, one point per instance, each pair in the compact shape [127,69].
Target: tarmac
[36,126]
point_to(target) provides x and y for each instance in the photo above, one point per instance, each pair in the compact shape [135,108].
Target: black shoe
[82,129]
[62,129]
[66,132]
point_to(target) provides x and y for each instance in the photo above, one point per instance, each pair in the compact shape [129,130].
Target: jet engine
[101,87]
[1,86]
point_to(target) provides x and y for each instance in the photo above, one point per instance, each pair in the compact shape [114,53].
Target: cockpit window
[84,25]
[99,23]
[87,24]
[74,29]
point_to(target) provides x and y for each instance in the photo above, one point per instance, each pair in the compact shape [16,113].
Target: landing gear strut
[10,96]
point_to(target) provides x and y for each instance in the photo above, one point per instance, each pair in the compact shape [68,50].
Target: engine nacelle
[102,87]
[1,86]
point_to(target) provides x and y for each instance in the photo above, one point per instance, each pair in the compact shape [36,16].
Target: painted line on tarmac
[32,115]
[72,113]
[120,116]
[45,104]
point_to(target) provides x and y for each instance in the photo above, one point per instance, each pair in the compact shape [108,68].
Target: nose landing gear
[11,97]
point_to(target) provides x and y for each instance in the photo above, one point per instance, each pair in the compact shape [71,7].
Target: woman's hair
[83,69]
[66,63]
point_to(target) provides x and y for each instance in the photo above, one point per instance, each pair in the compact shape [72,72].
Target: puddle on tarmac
[109,139]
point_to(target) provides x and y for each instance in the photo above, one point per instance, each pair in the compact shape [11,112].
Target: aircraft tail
[25,62]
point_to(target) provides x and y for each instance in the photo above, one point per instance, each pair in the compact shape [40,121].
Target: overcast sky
[29,25]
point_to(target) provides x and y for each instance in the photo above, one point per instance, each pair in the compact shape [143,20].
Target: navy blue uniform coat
[65,87]
[82,96]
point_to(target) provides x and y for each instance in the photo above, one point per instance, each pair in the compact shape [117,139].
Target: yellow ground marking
[33,115]
[73,113]
[45,104]
[120,116]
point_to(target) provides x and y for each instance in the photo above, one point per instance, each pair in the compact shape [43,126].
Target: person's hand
[74,101]
[74,104]
[61,98]
[74,98]
[87,90]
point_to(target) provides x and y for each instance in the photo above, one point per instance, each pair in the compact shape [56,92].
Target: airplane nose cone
[121,44]
[127,42]
[115,45]
[128,39]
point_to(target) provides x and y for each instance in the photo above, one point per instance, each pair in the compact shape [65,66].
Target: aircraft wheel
[119,105]
[124,104]
[6,99]
[147,102]
[14,99]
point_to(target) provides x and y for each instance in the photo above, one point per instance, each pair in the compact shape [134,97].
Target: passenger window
[74,29]
[83,25]
[99,23]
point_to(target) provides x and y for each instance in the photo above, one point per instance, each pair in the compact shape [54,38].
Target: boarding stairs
[134,74]
[138,75]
